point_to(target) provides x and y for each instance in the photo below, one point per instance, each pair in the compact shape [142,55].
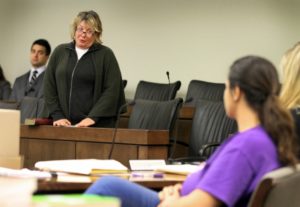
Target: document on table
[183,169]
[83,166]
[146,164]
[24,173]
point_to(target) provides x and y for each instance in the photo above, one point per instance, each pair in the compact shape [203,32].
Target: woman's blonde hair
[91,18]
[290,90]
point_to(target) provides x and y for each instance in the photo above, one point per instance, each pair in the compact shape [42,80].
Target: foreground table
[66,183]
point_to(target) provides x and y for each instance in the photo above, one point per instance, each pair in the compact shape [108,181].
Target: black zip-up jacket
[89,87]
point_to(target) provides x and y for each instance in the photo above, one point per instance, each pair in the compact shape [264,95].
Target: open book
[82,166]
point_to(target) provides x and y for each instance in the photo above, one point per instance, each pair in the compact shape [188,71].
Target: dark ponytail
[279,124]
[258,79]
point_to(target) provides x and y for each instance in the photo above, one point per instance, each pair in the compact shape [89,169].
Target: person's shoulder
[252,138]
[102,48]
[64,46]
[60,50]
[253,144]
[23,76]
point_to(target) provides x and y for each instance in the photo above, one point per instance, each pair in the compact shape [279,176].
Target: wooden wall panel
[35,150]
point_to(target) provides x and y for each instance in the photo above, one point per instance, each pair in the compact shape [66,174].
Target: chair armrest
[172,140]
[204,148]
[195,160]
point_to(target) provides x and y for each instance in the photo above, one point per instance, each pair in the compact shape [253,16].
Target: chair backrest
[198,89]
[156,91]
[9,105]
[210,125]
[160,115]
[278,188]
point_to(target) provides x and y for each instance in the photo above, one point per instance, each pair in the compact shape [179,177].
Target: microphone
[173,147]
[168,76]
[131,103]
[169,82]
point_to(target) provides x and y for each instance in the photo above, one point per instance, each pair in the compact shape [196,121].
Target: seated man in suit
[31,83]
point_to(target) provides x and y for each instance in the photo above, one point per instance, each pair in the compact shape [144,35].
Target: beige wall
[192,39]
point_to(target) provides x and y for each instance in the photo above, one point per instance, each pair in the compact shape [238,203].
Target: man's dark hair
[43,43]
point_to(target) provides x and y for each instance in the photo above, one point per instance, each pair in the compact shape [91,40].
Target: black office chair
[9,105]
[155,115]
[199,89]
[210,127]
[156,91]
[159,115]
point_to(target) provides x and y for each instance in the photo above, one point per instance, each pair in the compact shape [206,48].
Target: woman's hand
[62,122]
[169,195]
[85,122]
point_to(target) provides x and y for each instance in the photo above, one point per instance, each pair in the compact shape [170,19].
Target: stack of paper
[146,164]
[23,173]
[82,166]
[183,169]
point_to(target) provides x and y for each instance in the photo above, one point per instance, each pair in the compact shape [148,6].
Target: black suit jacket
[5,90]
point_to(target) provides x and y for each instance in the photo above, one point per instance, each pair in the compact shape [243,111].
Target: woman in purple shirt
[263,143]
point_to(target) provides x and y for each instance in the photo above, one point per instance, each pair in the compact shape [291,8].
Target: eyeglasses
[88,33]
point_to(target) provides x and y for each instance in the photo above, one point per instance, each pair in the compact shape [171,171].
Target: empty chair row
[197,89]
[210,125]
[156,91]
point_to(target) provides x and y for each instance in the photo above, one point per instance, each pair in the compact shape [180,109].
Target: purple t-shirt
[234,170]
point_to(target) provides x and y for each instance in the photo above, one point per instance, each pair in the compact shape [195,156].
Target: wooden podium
[54,143]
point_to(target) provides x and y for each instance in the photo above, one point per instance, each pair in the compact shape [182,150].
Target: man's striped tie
[33,78]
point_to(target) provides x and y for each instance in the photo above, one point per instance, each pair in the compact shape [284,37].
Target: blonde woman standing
[83,82]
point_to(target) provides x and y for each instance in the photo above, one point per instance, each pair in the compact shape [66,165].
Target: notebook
[184,169]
